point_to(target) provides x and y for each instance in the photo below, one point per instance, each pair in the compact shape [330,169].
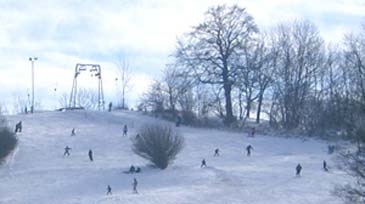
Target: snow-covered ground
[38,173]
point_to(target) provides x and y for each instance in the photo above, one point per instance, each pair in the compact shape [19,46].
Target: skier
[204,164]
[249,148]
[18,127]
[178,121]
[125,130]
[325,165]
[331,149]
[216,152]
[67,151]
[26,110]
[253,132]
[132,169]
[298,169]
[91,155]
[110,107]
[135,183]
[73,132]
[109,192]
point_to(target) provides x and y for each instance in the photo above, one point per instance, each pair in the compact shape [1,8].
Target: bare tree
[176,84]
[124,76]
[211,50]
[355,61]
[300,57]
[88,99]
[19,104]
[3,110]
[251,74]
[63,100]
[155,99]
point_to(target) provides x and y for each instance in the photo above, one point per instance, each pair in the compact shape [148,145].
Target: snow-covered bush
[158,144]
[8,140]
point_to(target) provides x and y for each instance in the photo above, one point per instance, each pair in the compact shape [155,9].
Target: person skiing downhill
[67,151]
[110,107]
[132,169]
[18,127]
[73,132]
[109,190]
[216,152]
[248,149]
[325,165]
[298,169]
[135,183]
[91,155]
[125,130]
[253,132]
[204,164]
[178,121]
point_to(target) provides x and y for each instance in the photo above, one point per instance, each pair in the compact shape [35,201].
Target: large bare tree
[212,49]
[300,57]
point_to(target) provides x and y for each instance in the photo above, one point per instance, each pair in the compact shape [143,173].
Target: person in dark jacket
[135,183]
[18,127]
[253,132]
[109,190]
[73,132]
[132,169]
[67,151]
[178,121]
[110,107]
[125,130]
[91,155]
[298,169]
[216,152]
[325,165]
[248,149]
[204,164]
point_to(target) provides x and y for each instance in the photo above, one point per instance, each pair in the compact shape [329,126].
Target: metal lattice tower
[94,69]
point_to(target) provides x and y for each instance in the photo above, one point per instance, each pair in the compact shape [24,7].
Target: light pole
[32,60]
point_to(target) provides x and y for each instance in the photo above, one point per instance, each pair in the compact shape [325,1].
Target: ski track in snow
[37,172]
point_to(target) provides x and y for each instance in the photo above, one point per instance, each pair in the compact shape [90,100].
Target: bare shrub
[8,141]
[354,164]
[159,144]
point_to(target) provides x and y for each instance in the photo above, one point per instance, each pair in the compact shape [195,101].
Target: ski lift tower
[95,71]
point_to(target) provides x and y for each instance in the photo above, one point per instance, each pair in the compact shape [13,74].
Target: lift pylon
[95,70]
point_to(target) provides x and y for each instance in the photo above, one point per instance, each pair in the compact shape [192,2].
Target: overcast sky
[63,33]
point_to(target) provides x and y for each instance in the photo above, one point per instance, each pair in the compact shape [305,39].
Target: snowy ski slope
[37,172]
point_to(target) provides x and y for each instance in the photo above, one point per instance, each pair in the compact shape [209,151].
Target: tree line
[227,67]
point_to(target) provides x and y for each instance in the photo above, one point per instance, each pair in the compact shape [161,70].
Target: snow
[38,173]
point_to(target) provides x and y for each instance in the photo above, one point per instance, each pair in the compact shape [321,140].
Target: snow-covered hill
[37,173]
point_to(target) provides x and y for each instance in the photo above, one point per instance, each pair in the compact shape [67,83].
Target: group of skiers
[298,168]
[26,109]
[134,186]
[18,128]
[133,170]
[67,153]
[249,148]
